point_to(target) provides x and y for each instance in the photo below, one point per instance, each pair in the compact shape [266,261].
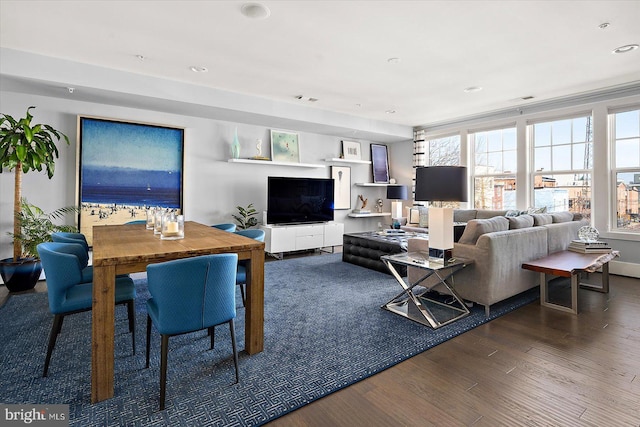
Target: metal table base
[424,306]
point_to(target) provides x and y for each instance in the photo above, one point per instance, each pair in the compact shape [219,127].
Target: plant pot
[20,275]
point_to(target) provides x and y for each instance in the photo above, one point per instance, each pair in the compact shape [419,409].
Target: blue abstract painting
[125,168]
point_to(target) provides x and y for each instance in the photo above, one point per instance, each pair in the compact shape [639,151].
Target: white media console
[288,238]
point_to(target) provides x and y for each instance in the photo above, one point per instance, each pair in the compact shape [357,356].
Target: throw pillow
[424,217]
[562,217]
[414,216]
[534,210]
[464,215]
[522,221]
[477,227]
[542,219]
[512,213]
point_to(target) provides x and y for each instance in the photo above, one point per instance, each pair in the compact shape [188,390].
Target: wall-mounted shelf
[339,160]
[371,184]
[271,163]
[363,215]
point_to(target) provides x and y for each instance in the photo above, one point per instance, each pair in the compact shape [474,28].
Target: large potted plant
[24,147]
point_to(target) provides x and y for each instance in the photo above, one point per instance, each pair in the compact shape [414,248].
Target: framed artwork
[124,168]
[342,187]
[284,146]
[380,161]
[351,150]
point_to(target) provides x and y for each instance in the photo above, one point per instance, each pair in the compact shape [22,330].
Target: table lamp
[396,193]
[441,184]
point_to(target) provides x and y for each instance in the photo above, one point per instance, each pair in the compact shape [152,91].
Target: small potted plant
[23,148]
[246,217]
[36,227]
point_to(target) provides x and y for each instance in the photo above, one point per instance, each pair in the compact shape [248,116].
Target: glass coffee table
[423,304]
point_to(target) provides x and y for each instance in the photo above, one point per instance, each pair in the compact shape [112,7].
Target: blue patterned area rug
[324,330]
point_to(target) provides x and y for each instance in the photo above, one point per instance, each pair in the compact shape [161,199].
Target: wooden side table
[570,264]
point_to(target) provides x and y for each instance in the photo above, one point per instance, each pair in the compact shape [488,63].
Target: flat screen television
[299,200]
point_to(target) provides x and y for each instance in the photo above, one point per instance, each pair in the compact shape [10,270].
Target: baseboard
[622,268]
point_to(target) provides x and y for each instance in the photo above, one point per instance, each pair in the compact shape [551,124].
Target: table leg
[544,295]
[604,288]
[102,332]
[254,304]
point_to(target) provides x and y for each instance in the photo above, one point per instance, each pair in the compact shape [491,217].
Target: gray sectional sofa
[498,245]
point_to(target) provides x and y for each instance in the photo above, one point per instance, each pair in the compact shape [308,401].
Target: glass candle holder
[151,218]
[172,227]
[157,224]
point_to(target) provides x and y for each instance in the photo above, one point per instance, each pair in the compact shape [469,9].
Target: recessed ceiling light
[390,111]
[393,60]
[473,89]
[604,25]
[626,48]
[198,69]
[255,11]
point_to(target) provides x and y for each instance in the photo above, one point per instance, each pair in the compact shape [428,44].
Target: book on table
[589,247]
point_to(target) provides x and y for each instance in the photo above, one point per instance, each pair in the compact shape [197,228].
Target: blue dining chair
[69,294]
[189,295]
[225,227]
[241,277]
[78,238]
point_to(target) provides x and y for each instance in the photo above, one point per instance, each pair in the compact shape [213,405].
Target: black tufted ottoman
[365,249]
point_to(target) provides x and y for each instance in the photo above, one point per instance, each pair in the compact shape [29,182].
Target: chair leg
[212,334]
[163,369]
[148,338]
[242,294]
[132,323]
[232,329]
[56,327]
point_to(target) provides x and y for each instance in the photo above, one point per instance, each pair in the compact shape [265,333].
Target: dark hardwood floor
[533,367]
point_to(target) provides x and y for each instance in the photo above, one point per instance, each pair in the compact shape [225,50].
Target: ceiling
[339,52]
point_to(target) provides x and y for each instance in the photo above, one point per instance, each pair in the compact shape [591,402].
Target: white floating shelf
[339,160]
[271,163]
[371,184]
[363,215]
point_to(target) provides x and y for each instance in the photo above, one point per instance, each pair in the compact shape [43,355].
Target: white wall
[212,186]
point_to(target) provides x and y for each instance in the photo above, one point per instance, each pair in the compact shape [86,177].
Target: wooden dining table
[121,249]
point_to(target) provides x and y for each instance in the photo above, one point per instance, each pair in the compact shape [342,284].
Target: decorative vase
[21,275]
[235,146]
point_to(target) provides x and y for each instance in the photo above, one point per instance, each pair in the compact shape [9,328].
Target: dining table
[129,248]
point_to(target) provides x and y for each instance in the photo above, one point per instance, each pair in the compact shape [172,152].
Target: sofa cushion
[477,227]
[489,213]
[561,217]
[423,220]
[464,215]
[542,219]
[522,221]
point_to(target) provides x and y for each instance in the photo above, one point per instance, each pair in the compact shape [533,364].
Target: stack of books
[583,247]
[362,211]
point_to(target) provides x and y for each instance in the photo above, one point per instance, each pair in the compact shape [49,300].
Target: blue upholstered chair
[68,293]
[189,295]
[241,278]
[78,238]
[137,221]
[225,227]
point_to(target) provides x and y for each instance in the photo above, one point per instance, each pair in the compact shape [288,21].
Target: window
[562,165]
[444,151]
[626,169]
[495,154]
